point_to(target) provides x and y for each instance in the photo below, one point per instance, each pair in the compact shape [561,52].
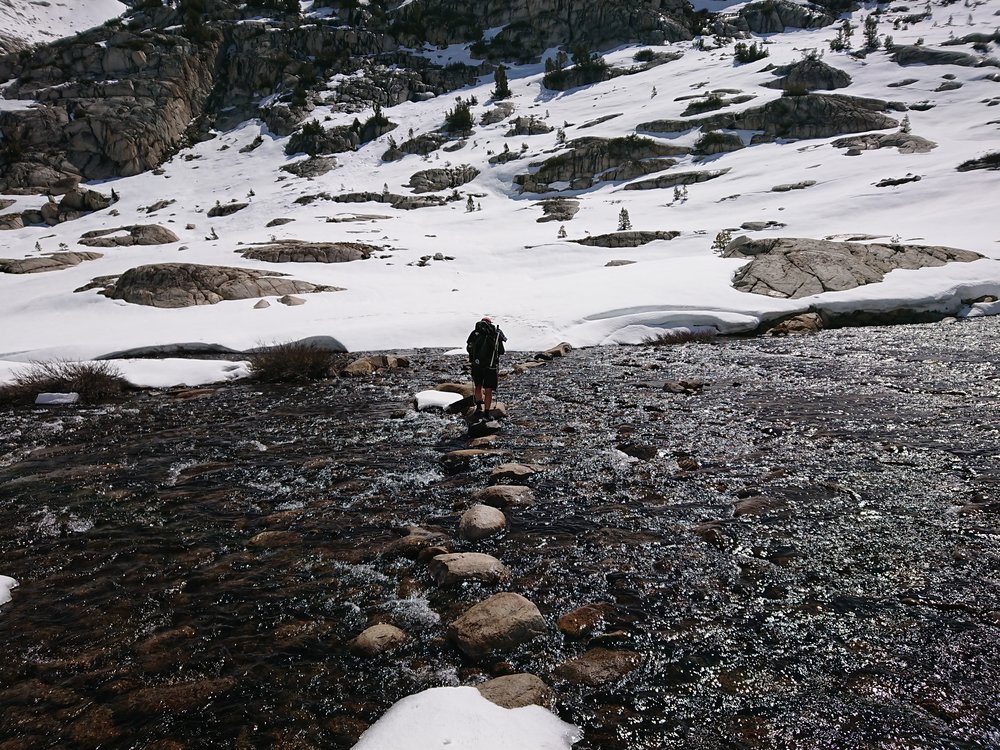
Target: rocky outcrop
[51,262]
[432,180]
[226,209]
[529,28]
[137,234]
[791,267]
[558,209]
[625,239]
[401,202]
[498,624]
[771,17]
[808,75]
[905,54]
[670,180]
[187,284]
[314,166]
[715,142]
[531,125]
[499,113]
[807,116]
[906,143]
[300,251]
[592,159]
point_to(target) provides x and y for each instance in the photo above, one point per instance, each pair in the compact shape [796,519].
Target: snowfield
[499,260]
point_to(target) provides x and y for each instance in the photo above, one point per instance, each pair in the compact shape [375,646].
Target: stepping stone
[513,472]
[480,522]
[449,569]
[501,623]
[506,496]
[378,639]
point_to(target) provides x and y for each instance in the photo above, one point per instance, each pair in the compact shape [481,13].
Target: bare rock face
[138,234]
[300,251]
[905,54]
[226,209]
[52,262]
[590,160]
[499,113]
[790,267]
[432,180]
[559,209]
[500,623]
[673,179]
[315,166]
[807,116]
[186,284]
[447,570]
[481,522]
[378,639]
[531,125]
[774,16]
[808,75]
[516,690]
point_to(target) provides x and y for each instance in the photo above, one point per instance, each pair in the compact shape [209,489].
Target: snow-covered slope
[33,21]
[542,289]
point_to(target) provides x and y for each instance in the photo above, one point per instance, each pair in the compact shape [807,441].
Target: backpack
[482,344]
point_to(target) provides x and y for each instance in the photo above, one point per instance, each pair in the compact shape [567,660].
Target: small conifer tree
[722,239]
[562,232]
[470,205]
[501,89]
[624,223]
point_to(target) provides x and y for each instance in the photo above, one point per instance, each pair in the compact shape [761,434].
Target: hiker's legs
[489,400]
[478,395]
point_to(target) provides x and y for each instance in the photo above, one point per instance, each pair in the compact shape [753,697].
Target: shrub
[644,55]
[94,381]
[795,89]
[989,161]
[749,53]
[459,119]
[292,362]
[681,336]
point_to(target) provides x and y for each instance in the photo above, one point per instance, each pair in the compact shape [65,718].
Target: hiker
[484,345]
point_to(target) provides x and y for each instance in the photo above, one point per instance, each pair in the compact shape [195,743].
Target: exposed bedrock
[790,267]
[300,251]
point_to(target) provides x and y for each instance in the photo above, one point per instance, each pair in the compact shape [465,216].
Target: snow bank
[435,399]
[461,719]
[6,584]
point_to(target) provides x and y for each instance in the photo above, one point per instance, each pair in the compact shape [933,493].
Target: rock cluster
[137,234]
[432,180]
[808,75]
[50,262]
[74,203]
[791,268]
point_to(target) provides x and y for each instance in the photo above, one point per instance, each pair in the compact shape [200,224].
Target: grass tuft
[96,382]
[681,336]
[292,362]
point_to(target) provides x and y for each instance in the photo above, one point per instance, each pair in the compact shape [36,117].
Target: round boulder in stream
[378,639]
[480,522]
[501,623]
[517,690]
[505,496]
[598,666]
[466,566]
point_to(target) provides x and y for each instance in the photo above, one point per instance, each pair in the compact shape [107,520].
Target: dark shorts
[484,377]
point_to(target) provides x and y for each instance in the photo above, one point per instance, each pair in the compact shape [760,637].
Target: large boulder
[500,623]
[631,238]
[905,54]
[458,567]
[790,267]
[516,690]
[773,17]
[432,180]
[301,251]
[905,143]
[378,639]
[137,234]
[481,521]
[186,284]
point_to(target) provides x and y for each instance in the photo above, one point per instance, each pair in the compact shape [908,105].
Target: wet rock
[462,459]
[378,639]
[95,728]
[756,505]
[803,323]
[500,623]
[559,350]
[271,539]
[480,522]
[226,209]
[301,251]
[687,463]
[137,234]
[793,268]
[642,451]
[513,472]
[505,496]
[584,620]
[685,387]
[34,692]
[517,690]
[463,389]
[298,633]
[599,666]
[483,442]
[416,539]
[449,569]
[373,363]
[50,262]
[346,730]
[177,697]
[186,284]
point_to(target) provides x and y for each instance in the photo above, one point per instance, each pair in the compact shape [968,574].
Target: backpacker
[483,344]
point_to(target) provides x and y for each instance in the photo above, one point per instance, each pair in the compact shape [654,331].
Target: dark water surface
[858,606]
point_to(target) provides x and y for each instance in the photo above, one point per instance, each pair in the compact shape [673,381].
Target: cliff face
[118,99]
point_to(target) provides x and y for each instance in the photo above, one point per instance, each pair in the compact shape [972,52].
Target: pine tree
[562,232]
[624,223]
[501,90]
[871,32]
[470,205]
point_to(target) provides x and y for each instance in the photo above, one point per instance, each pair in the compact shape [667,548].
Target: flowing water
[806,556]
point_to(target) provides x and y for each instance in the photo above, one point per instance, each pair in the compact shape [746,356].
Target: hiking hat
[486,319]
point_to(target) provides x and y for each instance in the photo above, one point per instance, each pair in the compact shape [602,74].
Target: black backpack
[483,344]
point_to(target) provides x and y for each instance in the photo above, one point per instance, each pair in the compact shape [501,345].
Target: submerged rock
[599,666]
